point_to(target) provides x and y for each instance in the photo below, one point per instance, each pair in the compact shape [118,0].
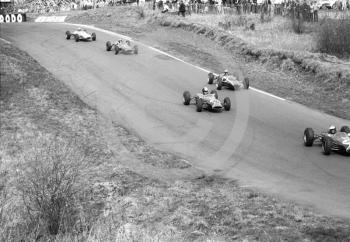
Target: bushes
[333,36]
[49,188]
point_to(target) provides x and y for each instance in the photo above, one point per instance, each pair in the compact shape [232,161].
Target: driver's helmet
[332,129]
[205,90]
[225,72]
[80,29]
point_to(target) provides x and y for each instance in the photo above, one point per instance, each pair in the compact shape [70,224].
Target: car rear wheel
[219,85]
[215,92]
[210,78]
[309,137]
[136,50]
[117,50]
[108,46]
[187,97]
[326,146]
[345,129]
[227,103]
[246,83]
[68,34]
[199,105]
[93,37]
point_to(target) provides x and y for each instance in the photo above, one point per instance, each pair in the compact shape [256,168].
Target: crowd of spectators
[308,9]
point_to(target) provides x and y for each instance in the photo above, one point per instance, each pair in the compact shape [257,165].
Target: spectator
[182,9]
[315,11]
[165,8]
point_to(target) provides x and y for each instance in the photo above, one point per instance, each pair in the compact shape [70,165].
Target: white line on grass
[7,42]
[164,53]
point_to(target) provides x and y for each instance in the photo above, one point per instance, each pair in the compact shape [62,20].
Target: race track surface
[259,141]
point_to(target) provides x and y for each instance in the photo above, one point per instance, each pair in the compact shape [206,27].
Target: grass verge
[66,175]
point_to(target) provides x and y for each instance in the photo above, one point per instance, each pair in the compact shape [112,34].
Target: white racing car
[208,101]
[80,34]
[121,45]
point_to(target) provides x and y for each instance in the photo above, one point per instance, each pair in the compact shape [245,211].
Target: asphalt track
[258,142]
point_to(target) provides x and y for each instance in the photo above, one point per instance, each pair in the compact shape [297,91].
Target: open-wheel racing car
[227,80]
[206,100]
[330,140]
[121,45]
[80,34]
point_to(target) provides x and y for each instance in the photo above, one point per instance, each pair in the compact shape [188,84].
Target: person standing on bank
[182,9]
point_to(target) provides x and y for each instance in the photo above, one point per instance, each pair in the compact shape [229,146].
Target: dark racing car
[81,34]
[330,140]
[206,100]
[228,81]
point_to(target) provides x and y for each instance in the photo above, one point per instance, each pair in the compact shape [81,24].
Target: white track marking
[7,42]
[266,93]
[164,53]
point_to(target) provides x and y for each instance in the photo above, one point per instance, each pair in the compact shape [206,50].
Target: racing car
[208,101]
[122,46]
[330,141]
[80,34]
[227,80]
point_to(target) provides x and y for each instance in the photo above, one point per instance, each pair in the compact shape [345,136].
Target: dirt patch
[315,80]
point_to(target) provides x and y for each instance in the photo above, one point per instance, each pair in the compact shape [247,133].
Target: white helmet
[225,71]
[205,90]
[332,129]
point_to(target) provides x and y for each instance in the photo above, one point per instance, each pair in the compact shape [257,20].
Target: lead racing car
[227,80]
[80,34]
[330,140]
[206,100]
[122,46]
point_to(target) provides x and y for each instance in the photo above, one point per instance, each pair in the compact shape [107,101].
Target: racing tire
[108,46]
[345,129]
[210,78]
[76,37]
[227,103]
[215,92]
[199,105]
[19,18]
[68,34]
[136,50]
[309,137]
[326,146]
[187,97]
[7,18]
[116,50]
[93,37]
[219,85]
[246,83]
[13,18]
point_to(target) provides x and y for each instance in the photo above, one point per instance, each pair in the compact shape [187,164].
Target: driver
[205,90]
[332,129]
[225,72]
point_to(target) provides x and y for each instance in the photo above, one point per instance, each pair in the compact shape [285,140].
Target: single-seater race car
[227,80]
[80,34]
[121,45]
[330,140]
[206,100]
